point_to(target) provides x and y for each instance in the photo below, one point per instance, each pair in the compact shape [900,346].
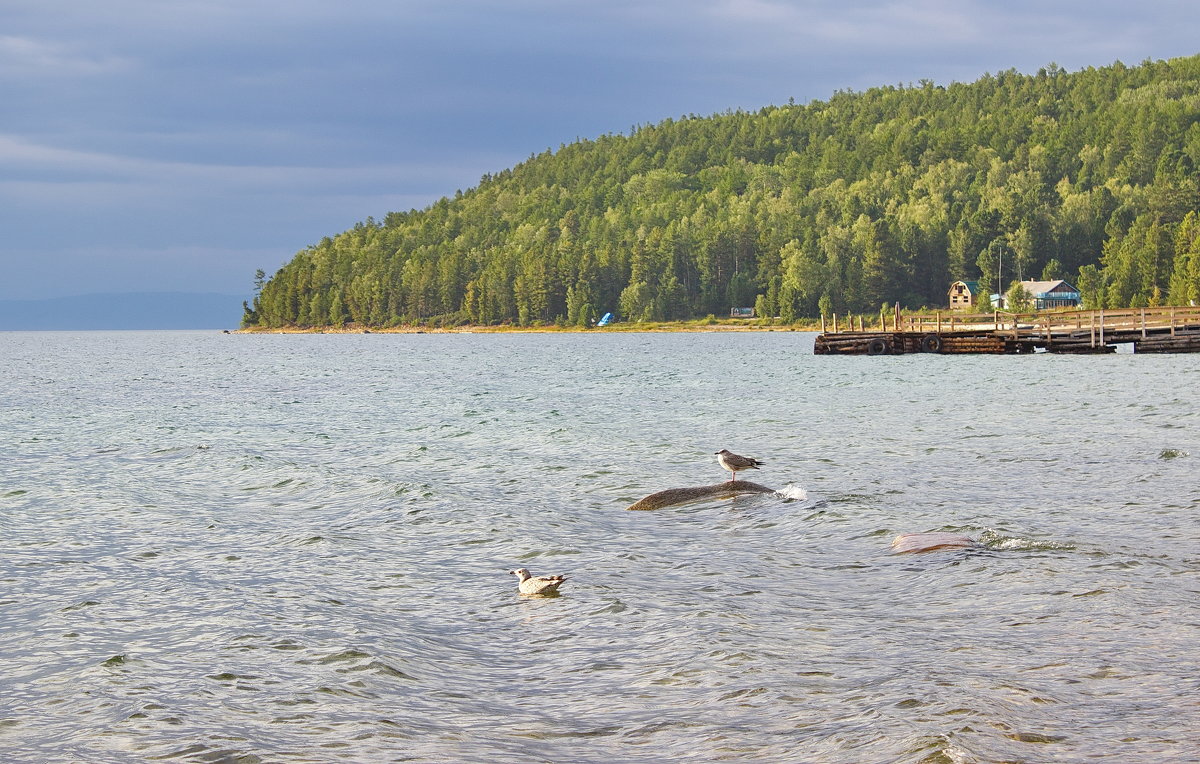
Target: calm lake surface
[292,548]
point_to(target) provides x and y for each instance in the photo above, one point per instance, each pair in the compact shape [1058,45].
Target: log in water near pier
[1150,330]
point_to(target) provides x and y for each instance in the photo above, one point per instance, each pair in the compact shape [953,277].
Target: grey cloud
[258,126]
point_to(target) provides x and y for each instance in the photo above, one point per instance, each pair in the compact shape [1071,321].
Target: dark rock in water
[927,542]
[673,496]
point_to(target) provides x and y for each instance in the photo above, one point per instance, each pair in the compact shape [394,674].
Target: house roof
[972,286]
[1036,288]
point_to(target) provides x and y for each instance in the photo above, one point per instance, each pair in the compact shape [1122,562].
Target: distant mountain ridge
[123,310]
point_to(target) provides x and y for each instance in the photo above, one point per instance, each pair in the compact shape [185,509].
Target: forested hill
[839,205]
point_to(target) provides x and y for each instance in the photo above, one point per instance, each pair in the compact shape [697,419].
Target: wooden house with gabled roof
[963,295]
[1052,294]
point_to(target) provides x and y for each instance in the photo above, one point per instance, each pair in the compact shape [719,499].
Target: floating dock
[1149,330]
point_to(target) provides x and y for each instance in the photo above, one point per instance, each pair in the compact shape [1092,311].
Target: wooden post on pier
[835,331]
[860,324]
[1143,323]
[1172,320]
[896,317]
[939,322]
[822,323]
[882,325]
[1093,329]
[1102,326]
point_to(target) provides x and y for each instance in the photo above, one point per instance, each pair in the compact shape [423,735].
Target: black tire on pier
[931,343]
[878,346]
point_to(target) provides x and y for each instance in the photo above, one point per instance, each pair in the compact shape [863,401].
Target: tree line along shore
[702,325]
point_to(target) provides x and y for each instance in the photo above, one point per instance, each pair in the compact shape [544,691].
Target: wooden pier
[1149,330]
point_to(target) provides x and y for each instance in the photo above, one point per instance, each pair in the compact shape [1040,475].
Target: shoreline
[647,327]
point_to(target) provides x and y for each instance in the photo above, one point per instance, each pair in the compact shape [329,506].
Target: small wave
[793,492]
[993,540]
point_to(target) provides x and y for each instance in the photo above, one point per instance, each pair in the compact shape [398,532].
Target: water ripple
[292,548]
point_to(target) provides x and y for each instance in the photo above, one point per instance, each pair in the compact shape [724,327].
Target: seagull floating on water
[735,463]
[530,584]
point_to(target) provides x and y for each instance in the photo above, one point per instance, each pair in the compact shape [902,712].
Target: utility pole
[999,279]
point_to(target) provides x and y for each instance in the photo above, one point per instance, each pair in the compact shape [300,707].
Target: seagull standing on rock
[735,463]
[530,584]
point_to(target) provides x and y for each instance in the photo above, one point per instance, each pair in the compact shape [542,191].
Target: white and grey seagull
[530,584]
[735,463]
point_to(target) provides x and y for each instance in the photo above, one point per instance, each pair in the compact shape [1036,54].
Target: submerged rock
[673,496]
[927,542]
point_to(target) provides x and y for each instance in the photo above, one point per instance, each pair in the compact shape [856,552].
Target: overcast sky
[178,145]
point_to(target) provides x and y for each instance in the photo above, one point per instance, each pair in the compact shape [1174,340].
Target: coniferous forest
[839,206]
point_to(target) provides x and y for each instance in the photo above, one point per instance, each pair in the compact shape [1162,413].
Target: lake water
[292,548]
